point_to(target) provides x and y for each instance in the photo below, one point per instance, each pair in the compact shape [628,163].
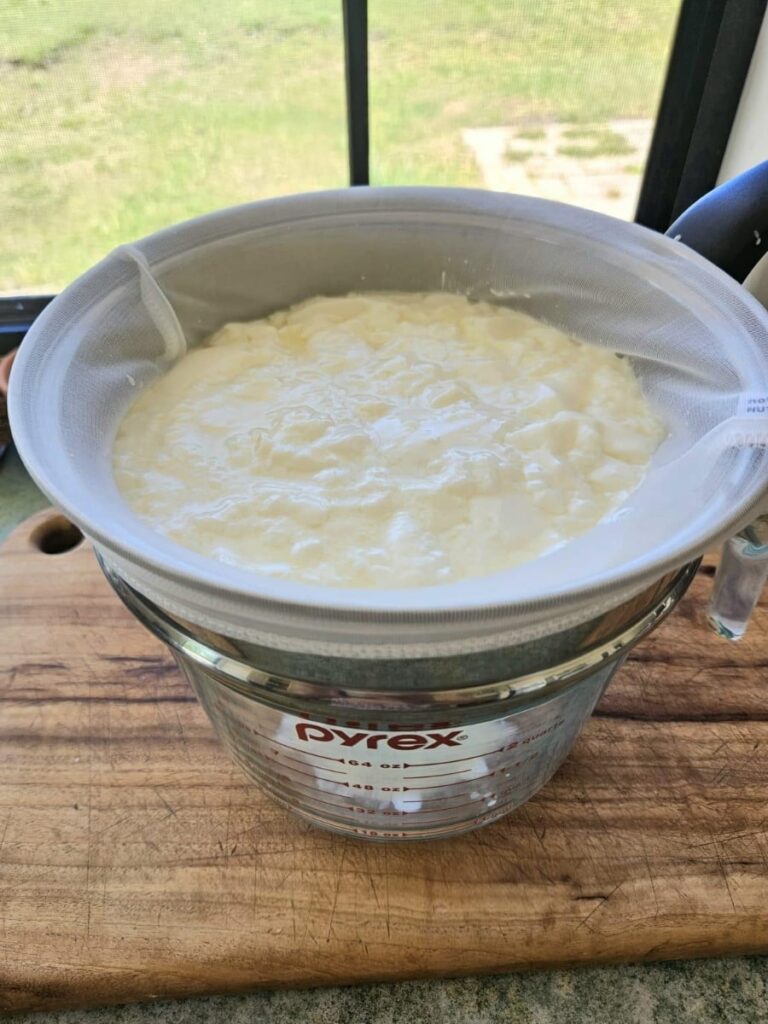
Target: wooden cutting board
[136,862]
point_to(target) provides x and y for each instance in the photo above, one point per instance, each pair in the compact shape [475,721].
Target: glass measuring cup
[356,748]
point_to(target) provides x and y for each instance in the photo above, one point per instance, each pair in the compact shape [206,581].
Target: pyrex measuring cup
[406,751]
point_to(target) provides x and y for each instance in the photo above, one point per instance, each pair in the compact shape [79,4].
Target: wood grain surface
[136,862]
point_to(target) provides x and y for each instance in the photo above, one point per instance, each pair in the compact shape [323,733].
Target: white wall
[748,143]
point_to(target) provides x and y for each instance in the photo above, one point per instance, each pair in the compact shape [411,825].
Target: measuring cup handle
[729,225]
[739,581]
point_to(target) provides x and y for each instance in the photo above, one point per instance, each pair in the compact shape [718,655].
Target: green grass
[584,131]
[596,142]
[531,134]
[118,119]
[515,155]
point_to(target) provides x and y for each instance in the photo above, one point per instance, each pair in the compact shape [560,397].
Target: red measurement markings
[299,750]
[444,785]
[377,833]
[295,760]
[310,789]
[284,803]
[449,807]
[320,778]
[339,806]
[435,799]
[472,757]
[270,783]
[369,789]
[438,775]
[498,795]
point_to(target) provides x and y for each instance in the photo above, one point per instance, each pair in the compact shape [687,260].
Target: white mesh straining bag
[698,342]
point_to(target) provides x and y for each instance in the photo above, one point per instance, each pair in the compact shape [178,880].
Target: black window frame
[711,52]
[710,56]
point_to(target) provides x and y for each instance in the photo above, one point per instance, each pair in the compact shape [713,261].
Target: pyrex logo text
[373,740]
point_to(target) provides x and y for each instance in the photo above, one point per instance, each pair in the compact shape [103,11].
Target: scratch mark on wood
[146,659]
[336,892]
[5,832]
[602,902]
[727,839]
[111,699]
[674,718]
[112,824]
[386,889]
[38,666]
[724,873]
[171,811]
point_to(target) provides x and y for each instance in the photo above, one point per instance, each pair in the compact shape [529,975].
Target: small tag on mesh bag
[748,427]
[753,404]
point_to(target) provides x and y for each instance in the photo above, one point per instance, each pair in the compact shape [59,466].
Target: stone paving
[597,166]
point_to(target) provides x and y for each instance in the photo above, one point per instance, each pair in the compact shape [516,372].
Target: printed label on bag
[753,404]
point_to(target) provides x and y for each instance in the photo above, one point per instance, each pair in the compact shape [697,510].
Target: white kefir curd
[385,440]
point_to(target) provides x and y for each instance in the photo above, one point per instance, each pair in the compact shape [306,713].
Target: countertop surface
[703,991]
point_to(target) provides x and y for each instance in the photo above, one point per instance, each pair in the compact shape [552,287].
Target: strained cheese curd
[385,440]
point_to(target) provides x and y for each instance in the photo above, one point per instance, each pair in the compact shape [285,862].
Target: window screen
[552,98]
[118,117]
